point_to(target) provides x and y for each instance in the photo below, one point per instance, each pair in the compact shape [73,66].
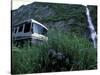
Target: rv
[30,30]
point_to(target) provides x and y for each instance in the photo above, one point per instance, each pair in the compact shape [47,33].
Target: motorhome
[30,30]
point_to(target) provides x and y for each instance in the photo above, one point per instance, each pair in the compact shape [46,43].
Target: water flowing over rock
[91,27]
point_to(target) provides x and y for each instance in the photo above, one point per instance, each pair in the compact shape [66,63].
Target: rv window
[15,30]
[27,27]
[32,28]
[20,29]
[40,30]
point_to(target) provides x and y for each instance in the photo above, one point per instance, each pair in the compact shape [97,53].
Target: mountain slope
[63,17]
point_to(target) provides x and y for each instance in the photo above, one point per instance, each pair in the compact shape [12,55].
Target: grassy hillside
[35,59]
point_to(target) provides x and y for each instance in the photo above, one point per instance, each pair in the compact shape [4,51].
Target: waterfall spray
[91,28]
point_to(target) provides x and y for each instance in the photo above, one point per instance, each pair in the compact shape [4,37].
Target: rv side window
[27,27]
[32,28]
[20,29]
[15,30]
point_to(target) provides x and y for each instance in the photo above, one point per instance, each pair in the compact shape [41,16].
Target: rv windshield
[39,29]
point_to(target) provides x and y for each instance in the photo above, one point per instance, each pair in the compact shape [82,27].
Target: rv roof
[38,23]
[34,21]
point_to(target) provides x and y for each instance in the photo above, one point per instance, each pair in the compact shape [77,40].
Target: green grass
[34,59]
[27,59]
[79,48]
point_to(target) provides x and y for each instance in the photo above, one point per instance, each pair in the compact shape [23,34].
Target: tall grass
[28,59]
[83,55]
[34,59]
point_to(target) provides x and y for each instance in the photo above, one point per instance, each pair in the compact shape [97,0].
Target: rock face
[58,60]
[62,17]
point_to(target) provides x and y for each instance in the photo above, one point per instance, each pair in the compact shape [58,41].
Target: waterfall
[91,28]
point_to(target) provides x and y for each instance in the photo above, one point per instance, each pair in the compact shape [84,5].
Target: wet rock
[60,56]
[51,53]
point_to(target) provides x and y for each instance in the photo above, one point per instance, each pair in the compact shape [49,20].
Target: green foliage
[28,59]
[77,47]
[34,59]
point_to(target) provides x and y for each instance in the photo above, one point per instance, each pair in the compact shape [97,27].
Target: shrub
[34,59]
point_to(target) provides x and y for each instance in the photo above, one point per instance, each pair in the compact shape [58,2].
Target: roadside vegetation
[35,59]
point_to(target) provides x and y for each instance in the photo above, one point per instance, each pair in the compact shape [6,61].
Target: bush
[34,59]
[28,59]
[79,49]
